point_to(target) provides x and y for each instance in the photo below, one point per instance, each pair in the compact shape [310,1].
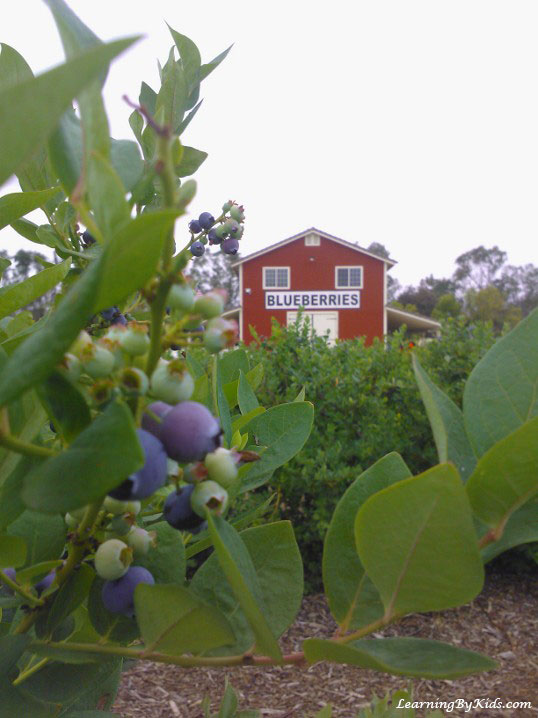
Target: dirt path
[502,623]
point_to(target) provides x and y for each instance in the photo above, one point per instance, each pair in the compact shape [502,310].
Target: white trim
[324,235]
[384,300]
[241,302]
[348,266]
[312,239]
[276,286]
[417,319]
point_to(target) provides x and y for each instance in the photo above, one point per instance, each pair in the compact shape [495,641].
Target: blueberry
[197,249]
[118,595]
[160,409]
[221,232]
[195,226]
[209,495]
[141,540]
[230,246]
[206,220]
[172,382]
[190,431]
[45,582]
[150,477]
[178,510]
[87,239]
[210,305]
[214,237]
[97,361]
[109,314]
[118,508]
[112,559]
[120,319]
[221,467]
[237,213]
[135,340]
[181,297]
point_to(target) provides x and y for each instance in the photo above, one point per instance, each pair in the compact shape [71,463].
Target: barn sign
[334,299]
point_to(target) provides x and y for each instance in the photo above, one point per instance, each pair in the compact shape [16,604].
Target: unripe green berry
[71,522]
[71,367]
[221,231]
[119,526]
[141,540]
[181,297]
[118,508]
[172,382]
[237,213]
[83,341]
[210,305]
[135,340]
[97,361]
[112,559]
[210,495]
[134,381]
[227,206]
[221,467]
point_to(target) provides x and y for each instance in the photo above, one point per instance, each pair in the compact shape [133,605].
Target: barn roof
[325,235]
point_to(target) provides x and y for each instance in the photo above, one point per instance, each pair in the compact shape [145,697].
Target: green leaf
[186,122]
[278,577]
[148,98]
[238,568]
[521,527]
[501,393]
[208,68]
[190,58]
[301,395]
[190,161]
[447,424]
[31,421]
[242,421]
[13,702]
[353,599]
[254,378]
[12,551]
[506,476]
[17,204]
[246,398]
[223,407]
[19,295]
[33,573]
[284,429]
[11,504]
[65,405]
[418,657]
[399,532]
[13,67]
[131,256]
[173,95]
[31,362]
[126,160]
[44,536]
[107,196]
[174,621]
[30,110]
[27,230]
[96,462]
[4,264]
[71,594]
[136,122]
[113,626]
[66,150]
[229,703]
[166,561]
[231,363]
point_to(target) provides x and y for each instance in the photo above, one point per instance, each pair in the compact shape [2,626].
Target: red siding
[313,268]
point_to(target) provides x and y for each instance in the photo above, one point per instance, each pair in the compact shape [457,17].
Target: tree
[447,306]
[21,266]
[212,270]
[478,268]
[489,304]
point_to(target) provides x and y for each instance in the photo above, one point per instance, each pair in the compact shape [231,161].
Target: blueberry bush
[122,455]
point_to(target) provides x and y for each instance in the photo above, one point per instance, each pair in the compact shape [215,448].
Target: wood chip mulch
[502,623]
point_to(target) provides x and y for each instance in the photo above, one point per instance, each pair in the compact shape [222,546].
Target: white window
[324,324]
[276,277]
[348,277]
[312,240]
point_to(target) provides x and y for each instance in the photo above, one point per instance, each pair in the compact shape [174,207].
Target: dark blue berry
[197,249]
[52,427]
[45,582]
[190,431]
[178,511]
[195,226]
[87,239]
[160,409]
[109,314]
[214,237]
[206,220]
[150,477]
[120,319]
[118,595]
[230,246]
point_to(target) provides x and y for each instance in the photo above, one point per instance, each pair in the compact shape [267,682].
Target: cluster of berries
[227,230]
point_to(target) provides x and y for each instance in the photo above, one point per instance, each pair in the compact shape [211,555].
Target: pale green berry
[112,559]
[210,305]
[141,540]
[118,508]
[71,522]
[135,340]
[97,361]
[209,495]
[134,381]
[83,341]
[181,297]
[222,467]
[172,382]
[71,367]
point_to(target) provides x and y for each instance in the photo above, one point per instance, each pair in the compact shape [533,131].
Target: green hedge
[366,405]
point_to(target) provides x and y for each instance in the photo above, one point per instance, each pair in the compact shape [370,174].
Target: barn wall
[313,268]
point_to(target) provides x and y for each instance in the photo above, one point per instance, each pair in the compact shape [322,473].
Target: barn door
[321,322]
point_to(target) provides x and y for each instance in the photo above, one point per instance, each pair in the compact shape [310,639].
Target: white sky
[413,123]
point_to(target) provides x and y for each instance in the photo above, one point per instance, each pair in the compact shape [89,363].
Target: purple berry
[45,582]
[195,226]
[206,220]
[178,511]
[160,409]
[214,237]
[230,246]
[87,239]
[120,319]
[110,314]
[189,432]
[197,249]
[150,477]
[10,573]
[118,595]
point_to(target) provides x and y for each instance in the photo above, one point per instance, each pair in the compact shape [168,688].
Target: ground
[502,623]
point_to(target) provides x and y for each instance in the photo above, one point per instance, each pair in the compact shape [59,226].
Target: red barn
[340,287]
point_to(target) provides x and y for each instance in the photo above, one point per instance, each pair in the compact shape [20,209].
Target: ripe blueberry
[112,559]
[230,246]
[45,582]
[209,495]
[197,249]
[87,239]
[118,595]
[150,477]
[206,220]
[214,237]
[190,431]
[178,510]
[149,423]
[195,226]
[12,574]
[109,314]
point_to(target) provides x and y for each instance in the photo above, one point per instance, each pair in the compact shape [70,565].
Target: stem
[14,586]
[244,659]
[22,447]
[165,169]
[77,546]
[214,385]
[158,310]
[365,630]
[23,675]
